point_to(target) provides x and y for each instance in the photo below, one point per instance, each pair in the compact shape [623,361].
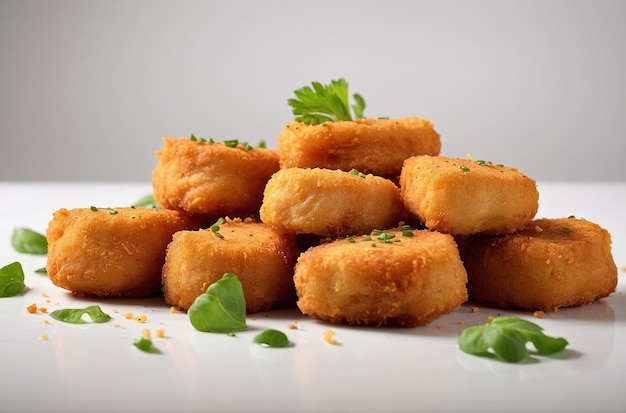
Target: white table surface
[95,367]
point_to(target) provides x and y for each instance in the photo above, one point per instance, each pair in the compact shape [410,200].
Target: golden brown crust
[329,202]
[110,252]
[465,197]
[262,259]
[376,146]
[551,263]
[407,283]
[211,178]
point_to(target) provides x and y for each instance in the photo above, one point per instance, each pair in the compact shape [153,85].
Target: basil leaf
[146,201]
[222,309]
[27,241]
[11,280]
[507,338]
[272,338]
[145,345]
[74,315]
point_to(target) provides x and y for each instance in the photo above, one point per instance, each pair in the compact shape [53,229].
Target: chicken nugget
[461,196]
[211,178]
[376,146]
[551,263]
[387,278]
[111,251]
[261,258]
[330,202]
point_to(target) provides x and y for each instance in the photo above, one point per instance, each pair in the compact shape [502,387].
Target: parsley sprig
[325,103]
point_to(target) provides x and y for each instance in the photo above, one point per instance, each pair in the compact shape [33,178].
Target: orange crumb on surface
[128,316]
[43,337]
[32,308]
[329,337]
[46,322]
[141,318]
[474,309]
[160,333]
[116,325]
[438,326]
[174,309]
[42,310]
[293,325]
[146,333]
[538,314]
[44,295]
[489,319]
[623,268]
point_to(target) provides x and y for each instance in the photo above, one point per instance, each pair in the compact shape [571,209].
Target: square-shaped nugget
[462,196]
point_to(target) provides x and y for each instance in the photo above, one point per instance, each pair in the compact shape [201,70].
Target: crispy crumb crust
[111,252]
[463,197]
[407,283]
[211,178]
[551,263]
[330,202]
[261,258]
[376,146]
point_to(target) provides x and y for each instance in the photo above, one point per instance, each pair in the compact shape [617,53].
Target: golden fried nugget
[111,251]
[376,146]
[330,202]
[211,178]
[389,279]
[262,259]
[464,197]
[551,263]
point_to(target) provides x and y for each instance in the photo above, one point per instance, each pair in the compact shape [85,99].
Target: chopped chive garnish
[350,239]
[367,238]
[566,229]
[464,168]
[357,173]
[94,209]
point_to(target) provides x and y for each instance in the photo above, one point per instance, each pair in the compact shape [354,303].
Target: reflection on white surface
[95,367]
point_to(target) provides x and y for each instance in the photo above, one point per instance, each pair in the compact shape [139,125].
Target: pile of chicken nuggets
[359,222]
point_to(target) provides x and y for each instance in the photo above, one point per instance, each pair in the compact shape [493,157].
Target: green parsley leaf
[74,315]
[506,337]
[145,345]
[11,280]
[222,309]
[325,103]
[272,338]
[27,241]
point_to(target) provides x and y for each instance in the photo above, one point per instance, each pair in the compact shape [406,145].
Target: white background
[88,89]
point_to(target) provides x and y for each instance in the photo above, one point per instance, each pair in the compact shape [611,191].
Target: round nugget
[390,280]
[330,202]
[462,197]
[110,252]
[552,263]
[211,178]
[261,258]
[376,146]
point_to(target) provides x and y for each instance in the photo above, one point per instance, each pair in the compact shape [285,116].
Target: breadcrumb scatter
[42,310]
[128,316]
[293,325]
[174,310]
[43,337]
[474,309]
[141,318]
[538,314]
[116,325]
[44,295]
[329,337]
[32,308]
[46,322]
[438,326]
[146,333]
[489,319]
[160,333]
[623,268]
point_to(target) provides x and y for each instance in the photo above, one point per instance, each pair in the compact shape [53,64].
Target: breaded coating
[551,263]
[390,280]
[330,202]
[462,197]
[261,258]
[211,178]
[376,146]
[111,252]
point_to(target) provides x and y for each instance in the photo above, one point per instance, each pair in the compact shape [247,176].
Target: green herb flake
[318,103]
[357,173]
[75,315]
[215,228]
[231,143]
[566,229]
[272,338]
[222,309]
[406,231]
[146,201]
[351,239]
[93,208]
[506,338]
[464,168]
[42,271]
[11,280]
[146,345]
[262,145]
[27,241]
